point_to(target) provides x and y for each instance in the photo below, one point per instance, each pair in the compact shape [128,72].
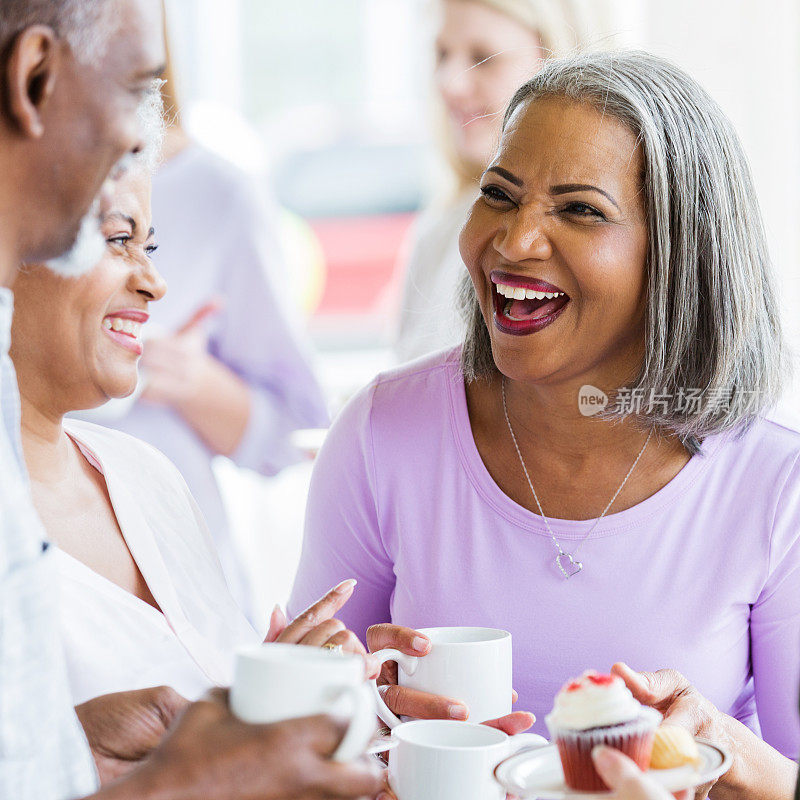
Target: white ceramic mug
[436,759]
[275,682]
[472,665]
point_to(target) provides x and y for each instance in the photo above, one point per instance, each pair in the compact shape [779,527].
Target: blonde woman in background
[485,49]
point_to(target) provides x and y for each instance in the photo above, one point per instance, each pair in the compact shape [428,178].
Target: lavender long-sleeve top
[702,577]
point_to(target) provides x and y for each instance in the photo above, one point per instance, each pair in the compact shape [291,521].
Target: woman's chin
[118,387]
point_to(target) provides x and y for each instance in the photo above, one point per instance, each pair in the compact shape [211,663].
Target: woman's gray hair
[714,352]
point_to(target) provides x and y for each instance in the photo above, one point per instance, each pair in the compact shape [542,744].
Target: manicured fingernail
[346,586]
[457,711]
[419,644]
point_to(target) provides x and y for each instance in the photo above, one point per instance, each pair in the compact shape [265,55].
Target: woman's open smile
[525,305]
[124,327]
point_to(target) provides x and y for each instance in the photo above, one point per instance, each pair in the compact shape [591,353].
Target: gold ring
[337,649]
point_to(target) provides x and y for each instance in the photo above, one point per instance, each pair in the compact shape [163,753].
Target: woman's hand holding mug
[414,702]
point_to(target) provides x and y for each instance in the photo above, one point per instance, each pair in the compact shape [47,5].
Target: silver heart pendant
[568,569]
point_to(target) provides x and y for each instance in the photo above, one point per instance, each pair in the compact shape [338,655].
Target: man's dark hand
[211,755]
[122,728]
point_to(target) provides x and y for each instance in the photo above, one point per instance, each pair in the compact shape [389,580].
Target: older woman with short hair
[618,265]
[142,597]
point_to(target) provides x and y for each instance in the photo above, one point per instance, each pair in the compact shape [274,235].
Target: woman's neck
[46,446]
[549,418]
[577,463]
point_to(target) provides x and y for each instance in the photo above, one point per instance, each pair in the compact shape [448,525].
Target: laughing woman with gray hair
[618,264]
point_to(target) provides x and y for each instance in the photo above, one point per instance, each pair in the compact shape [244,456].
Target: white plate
[537,773]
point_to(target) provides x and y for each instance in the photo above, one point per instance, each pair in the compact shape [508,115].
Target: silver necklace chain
[573,567]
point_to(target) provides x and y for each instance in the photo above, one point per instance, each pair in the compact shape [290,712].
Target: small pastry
[673,746]
[599,709]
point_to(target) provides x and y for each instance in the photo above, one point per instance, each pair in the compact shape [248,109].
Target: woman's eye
[121,240]
[584,210]
[481,58]
[494,194]
[150,249]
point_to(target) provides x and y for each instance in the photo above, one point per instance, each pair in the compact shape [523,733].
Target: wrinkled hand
[421,705]
[175,366]
[122,728]
[681,704]
[211,755]
[626,780]
[317,626]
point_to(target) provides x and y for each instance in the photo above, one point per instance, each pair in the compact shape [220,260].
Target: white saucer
[380,744]
[537,773]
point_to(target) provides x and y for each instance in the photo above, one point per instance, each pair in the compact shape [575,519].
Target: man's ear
[31,72]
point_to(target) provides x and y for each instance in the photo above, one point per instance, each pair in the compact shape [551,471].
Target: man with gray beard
[73,75]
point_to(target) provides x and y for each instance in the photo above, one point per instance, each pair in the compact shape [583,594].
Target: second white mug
[274,682]
[472,665]
[449,760]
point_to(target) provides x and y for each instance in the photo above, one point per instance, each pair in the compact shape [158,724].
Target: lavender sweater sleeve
[775,626]
[342,531]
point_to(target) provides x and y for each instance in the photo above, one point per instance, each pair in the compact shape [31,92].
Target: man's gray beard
[89,248]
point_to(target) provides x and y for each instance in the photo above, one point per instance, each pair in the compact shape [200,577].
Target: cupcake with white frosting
[599,709]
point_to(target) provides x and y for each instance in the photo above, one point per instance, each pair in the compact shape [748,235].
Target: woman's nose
[453,79]
[522,237]
[147,280]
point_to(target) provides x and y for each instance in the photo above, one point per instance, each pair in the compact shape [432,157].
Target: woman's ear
[30,78]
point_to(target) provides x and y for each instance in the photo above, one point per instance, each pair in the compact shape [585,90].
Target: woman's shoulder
[405,399]
[772,438]
[121,451]
[420,383]
[762,458]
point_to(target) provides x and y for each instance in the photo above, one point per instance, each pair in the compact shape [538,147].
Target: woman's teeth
[123,326]
[518,293]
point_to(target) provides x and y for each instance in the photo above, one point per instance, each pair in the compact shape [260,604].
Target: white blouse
[113,640]
[429,315]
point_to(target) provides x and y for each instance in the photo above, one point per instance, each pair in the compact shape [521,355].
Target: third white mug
[472,665]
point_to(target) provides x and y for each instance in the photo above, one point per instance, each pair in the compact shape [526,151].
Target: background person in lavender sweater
[620,183]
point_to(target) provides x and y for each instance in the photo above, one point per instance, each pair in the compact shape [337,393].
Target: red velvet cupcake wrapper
[635,739]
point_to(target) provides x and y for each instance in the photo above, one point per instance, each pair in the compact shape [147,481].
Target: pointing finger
[323,610]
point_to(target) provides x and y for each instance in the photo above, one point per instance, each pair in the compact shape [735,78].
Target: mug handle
[361,729]
[408,664]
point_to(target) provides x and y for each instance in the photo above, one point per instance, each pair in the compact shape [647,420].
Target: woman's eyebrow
[566,188]
[124,218]
[504,173]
